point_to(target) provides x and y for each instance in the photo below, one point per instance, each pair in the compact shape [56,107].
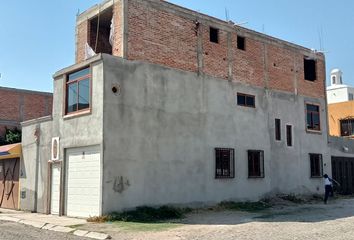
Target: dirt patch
[313,220]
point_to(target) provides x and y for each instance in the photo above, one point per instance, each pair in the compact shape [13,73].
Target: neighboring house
[18,105]
[338,92]
[187,109]
[340,106]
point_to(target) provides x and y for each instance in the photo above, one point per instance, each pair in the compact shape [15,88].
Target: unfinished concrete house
[165,105]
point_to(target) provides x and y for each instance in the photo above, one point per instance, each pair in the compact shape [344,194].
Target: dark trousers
[328,190]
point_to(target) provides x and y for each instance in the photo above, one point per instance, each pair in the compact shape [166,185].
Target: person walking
[328,187]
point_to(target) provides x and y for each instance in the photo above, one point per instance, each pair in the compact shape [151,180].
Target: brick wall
[165,34]
[85,34]
[19,105]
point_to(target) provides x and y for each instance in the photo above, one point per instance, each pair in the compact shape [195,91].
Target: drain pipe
[37,139]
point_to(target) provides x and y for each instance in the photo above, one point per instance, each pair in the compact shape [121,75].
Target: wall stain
[120,184]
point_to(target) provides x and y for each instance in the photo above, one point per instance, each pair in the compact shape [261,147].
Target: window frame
[320,165]
[319,118]
[261,164]
[289,141]
[231,163]
[348,120]
[77,80]
[246,96]
[277,129]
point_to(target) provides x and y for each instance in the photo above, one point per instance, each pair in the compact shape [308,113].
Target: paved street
[16,231]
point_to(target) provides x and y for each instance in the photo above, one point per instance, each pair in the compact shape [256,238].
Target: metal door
[9,176]
[343,172]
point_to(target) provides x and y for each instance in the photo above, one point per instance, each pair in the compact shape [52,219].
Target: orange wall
[336,112]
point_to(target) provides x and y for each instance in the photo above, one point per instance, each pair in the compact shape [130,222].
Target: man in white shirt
[328,187]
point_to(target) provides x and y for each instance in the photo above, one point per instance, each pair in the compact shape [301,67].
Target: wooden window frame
[277,128]
[319,118]
[77,80]
[219,163]
[320,165]
[246,96]
[253,173]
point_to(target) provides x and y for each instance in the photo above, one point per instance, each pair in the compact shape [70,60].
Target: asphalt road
[16,231]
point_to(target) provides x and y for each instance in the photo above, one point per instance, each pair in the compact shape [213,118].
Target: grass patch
[244,206]
[292,198]
[144,227]
[143,215]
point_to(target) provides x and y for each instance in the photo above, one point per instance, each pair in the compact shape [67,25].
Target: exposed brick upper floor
[21,105]
[163,33]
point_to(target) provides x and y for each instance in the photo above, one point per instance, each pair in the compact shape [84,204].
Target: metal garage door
[343,172]
[55,189]
[83,179]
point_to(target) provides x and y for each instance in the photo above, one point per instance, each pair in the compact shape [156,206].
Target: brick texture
[160,34]
[18,105]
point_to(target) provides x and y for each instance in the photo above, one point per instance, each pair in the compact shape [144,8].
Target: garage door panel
[83,183]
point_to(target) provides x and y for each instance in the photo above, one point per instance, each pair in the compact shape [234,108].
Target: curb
[57,228]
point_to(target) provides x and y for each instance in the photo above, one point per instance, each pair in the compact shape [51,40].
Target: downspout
[37,139]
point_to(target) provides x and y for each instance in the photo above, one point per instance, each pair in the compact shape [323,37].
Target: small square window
[214,35]
[310,69]
[255,164]
[246,100]
[224,163]
[241,43]
[316,165]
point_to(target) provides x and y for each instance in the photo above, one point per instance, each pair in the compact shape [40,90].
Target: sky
[37,38]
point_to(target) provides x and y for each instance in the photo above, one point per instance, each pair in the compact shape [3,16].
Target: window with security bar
[224,163]
[347,127]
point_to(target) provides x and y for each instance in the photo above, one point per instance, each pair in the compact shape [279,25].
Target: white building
[338,92]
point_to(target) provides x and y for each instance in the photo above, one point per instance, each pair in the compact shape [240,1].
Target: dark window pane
[312,108]
[71,97]
[289,140]
[241,100]
[277,130]
[316,165]
[250,101]
[240,43]
[310,69]
[79,74]
[255,163]
[214,35]
[84,94]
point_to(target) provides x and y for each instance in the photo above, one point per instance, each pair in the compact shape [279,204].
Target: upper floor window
[214,35]
[78,91]
[246,100]
[241,43]
[224,163]
[310,69]
[313,117]
[277,129]
[347,127]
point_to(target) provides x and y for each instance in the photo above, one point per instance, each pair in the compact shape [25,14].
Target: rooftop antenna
[227,18]
[78,12]
[320,37]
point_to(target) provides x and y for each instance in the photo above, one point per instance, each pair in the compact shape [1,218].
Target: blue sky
[37,37]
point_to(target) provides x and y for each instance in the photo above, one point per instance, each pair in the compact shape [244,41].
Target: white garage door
[83,182]
[55,189]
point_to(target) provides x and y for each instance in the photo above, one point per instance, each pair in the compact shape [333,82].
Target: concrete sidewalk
[50,222]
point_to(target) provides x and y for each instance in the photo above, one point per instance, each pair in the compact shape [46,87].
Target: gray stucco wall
[161,128]
[74,131]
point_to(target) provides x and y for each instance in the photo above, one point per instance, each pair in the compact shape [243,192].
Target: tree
[11,136]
